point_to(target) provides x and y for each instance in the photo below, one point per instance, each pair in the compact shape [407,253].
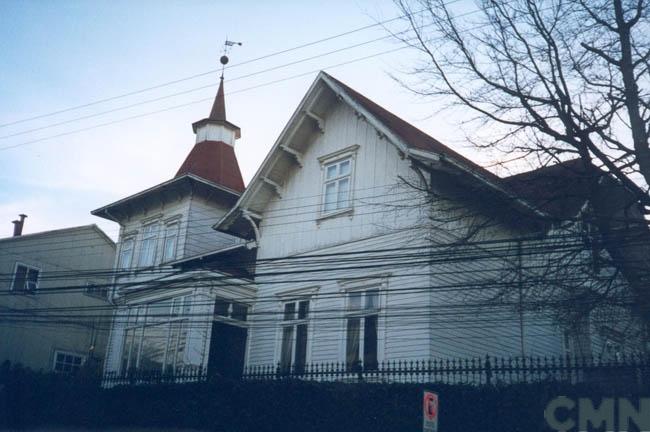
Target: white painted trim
[296,293]
[339,154]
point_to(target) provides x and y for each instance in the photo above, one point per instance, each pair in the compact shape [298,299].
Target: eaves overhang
[173,186]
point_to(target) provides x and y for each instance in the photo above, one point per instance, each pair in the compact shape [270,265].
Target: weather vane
[227,46]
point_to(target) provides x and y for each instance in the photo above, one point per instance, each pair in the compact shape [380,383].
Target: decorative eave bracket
[277,188]
[295,153]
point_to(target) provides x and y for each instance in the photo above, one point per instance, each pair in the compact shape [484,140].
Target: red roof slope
[214,161]
[412,136]
[560,189]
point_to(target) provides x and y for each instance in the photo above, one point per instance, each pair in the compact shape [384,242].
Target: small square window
[66,362]
[25,279]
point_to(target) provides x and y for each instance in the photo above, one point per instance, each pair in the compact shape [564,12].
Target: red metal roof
[412,136]
[214,161]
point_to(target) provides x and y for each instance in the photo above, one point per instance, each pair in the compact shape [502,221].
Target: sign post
[429,411]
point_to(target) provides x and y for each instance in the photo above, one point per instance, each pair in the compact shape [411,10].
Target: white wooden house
[349,245]
[359,219]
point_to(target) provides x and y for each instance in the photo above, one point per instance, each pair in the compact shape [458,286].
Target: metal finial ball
[224,60]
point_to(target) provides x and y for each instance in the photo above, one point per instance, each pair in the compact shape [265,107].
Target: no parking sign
[430,411]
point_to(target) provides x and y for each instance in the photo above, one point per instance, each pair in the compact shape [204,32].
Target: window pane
[355,300]
[330,197]
[330,171]
[303,309]
[160,310]
[352,342]
[32,276]
[187,305]
[239,311]
[372,299]
[20,278]
[170,248]
[287,344]
[126,253]
[344,168]
[370,342]
[221,307]
[181,345]
[154,343]
[126,351]
[147,253]
[289,311]
[301,348]
[342,199]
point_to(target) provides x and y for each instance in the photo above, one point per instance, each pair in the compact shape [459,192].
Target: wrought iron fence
[631,370]
[180,375]
[622,372]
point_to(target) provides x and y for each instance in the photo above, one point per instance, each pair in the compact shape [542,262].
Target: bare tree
[553,79]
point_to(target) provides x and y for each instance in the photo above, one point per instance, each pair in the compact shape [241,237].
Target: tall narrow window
[362,321]
[148,248]
[126,253]
[171,241]
[293,354]
[336,187]
[25,279]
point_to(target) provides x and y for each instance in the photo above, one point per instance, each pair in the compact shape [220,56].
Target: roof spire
[218,111]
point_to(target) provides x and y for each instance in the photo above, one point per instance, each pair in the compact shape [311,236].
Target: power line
[179,80]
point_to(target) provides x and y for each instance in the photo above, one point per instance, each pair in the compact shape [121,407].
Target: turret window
[148,247]
[171,241]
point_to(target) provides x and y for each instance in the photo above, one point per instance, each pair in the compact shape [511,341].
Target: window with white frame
[171,241]
[67,362]
[362,318]
[337,183]
[25,278]
[148,246]
[157,336]
[126,253]
[295,326]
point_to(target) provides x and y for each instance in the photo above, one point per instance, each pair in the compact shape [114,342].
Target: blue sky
[55,55]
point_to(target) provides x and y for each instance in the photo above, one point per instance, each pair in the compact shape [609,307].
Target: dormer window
[148,247]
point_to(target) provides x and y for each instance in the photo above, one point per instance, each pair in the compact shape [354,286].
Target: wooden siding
[59,255]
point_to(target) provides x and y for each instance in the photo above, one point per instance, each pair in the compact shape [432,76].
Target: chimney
[18,225]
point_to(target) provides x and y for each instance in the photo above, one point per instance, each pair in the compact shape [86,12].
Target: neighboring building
[367,221]
[171,313]
[54,310]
